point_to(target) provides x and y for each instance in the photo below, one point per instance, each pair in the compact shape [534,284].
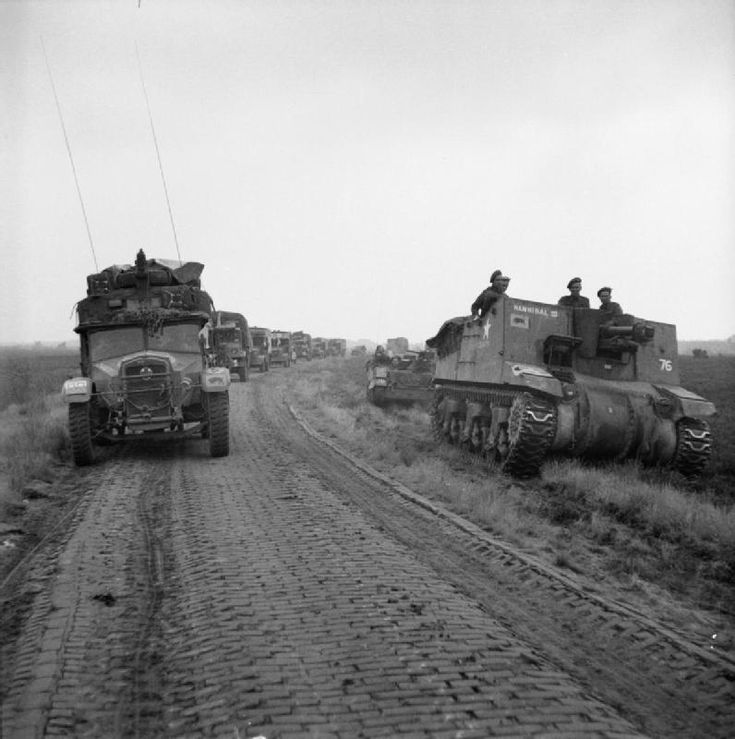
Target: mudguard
[216,380]
[77,390]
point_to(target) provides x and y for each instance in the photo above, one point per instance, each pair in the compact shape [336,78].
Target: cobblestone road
[250,596]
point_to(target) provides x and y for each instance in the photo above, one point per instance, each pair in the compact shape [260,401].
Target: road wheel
[218,410]
[80,431]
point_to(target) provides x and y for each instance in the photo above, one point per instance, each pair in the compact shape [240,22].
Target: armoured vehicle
[260,354]
[336,347]
[281,348]
[231,342]
[301,344]
[532,379]
[400,380]
[318,348]
[145,360]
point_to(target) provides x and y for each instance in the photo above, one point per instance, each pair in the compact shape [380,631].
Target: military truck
[396,346]
[301,343]
[145,367]
[400,380]
[260,354]
[232,342]
[318,347]
[532,379]
[281,348]
[336,347]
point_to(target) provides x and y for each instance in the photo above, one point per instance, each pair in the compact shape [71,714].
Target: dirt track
[283,592]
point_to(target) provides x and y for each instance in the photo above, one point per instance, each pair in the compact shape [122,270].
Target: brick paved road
[248,596]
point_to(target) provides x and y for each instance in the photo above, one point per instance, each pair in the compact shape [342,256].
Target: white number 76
[666,365]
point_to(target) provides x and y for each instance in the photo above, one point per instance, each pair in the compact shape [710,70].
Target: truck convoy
[260,354]
[144,360]
[281,348]
[531,379]
[231,342]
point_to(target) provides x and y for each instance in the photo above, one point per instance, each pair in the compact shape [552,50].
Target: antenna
[158,154]
[71,158]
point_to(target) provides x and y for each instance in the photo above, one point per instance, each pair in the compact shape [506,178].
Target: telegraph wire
[71,158]
[158,154]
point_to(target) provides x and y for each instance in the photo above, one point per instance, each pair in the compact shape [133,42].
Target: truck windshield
[177,337]
[115,342]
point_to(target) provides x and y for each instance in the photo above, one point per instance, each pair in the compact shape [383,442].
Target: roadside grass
[644,527]
[33,427]
[33,437]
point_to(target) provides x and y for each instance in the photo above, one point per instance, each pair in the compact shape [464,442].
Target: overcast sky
[357,168]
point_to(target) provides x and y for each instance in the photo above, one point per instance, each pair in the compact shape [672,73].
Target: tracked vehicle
[532,379]
[405,379]
[146,360]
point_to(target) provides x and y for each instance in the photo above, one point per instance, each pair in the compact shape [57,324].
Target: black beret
[572,281]
[604,289]
[495,274]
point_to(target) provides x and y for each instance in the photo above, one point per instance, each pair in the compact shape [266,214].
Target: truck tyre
[80,431]
[218,410]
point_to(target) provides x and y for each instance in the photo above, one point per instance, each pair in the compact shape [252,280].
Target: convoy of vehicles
[144,360]
[526,381]
[531,379]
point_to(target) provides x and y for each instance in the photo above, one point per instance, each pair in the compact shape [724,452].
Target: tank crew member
[490,295]
[574,299]
[606,304]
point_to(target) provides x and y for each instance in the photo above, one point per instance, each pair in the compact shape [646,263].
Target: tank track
[531,426]
[693,446]
[531,429]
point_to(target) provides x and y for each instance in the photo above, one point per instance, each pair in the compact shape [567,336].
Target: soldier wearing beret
[574,299]
[490,295]
[607,304]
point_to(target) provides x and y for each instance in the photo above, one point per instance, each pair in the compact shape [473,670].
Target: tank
[147,367]
[404,379]
[533,379]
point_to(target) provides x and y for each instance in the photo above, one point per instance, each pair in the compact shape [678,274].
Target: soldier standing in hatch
[574,299]
[607,304]
[490,295]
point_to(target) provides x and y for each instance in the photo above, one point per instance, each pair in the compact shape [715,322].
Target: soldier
[490,295]
[606,303]
[574,300]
